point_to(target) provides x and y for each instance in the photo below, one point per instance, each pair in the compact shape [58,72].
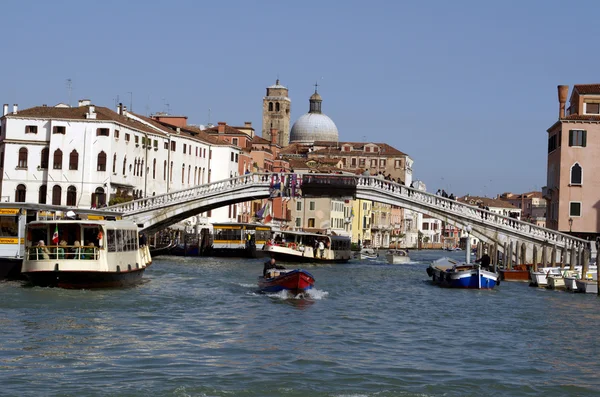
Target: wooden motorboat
[295,281]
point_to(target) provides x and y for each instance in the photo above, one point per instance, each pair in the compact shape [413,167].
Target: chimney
[15,108]
[274,132]
[124,110]
[91,114]
[120,108]
[84,102]
[248,124]
[221,127]
[563,91]
[5,109]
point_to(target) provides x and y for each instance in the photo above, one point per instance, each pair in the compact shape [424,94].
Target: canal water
[198,327]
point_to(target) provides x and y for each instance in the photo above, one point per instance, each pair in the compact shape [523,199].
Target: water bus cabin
[288,246]
[13,219]
[84,253]
[238,239]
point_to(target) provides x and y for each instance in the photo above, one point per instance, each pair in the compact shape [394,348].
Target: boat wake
[311,294]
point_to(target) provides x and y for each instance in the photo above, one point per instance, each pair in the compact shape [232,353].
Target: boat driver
[270,264]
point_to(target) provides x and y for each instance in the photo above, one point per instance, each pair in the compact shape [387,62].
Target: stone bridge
[522,240]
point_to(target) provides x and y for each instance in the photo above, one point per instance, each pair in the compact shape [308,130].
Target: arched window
[42,194]
[23,158]
[277,106]
[74,160]
[72,195]
[98,198]
[189,173]
[154,169]
[45,157]
[56,195]
[57,160]
[195,175]
[183,174]
[101,161]
[171,173]
[270,106]
[576,174]
[124,165]
[142,168]
[115,164]
[165,171]
[20,193]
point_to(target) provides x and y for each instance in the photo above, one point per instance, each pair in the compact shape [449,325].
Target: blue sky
[466,88]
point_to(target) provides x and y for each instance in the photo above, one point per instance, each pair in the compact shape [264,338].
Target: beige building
[532,205]
[572,189]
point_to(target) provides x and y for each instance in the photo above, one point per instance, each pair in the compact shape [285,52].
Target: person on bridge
[270,264]
[484,261]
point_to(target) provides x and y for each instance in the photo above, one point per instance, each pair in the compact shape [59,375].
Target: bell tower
[276,113]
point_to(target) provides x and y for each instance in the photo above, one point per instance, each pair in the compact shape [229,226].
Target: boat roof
[240,224]
[311,234]
[97,222]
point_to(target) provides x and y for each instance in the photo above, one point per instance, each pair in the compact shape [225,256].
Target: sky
[466,88]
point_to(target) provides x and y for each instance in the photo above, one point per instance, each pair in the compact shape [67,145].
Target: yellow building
[361,221]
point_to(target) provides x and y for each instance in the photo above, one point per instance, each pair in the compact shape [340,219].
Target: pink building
[573,191]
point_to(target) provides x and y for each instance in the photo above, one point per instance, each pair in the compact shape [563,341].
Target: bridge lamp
[468,244]
[570,224]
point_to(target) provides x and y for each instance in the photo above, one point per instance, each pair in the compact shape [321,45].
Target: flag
[268,219]
[55,236]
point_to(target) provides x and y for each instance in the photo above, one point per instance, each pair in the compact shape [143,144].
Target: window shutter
[571,138]
[583,138]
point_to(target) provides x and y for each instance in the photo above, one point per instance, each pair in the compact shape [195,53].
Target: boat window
[111,240]
[9,226]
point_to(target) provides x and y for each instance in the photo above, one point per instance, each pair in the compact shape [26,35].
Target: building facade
[91,156]
[572,189]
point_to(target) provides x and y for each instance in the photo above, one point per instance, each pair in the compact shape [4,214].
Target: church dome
[314,125]
[311,127]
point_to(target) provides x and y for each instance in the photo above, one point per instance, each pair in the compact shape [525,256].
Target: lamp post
[570,224]
[468,244]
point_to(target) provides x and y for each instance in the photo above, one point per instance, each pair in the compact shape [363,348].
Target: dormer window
[592,108]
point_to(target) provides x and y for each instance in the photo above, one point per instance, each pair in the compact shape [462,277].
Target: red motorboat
[295,281]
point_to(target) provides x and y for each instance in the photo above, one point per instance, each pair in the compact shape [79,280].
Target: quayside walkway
[521,239]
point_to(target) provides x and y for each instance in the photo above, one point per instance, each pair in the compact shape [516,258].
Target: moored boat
[516,273]
[295,281]
[447,272]
[101,254]
[397,256]
[587,286]
[308,247]
[235,239]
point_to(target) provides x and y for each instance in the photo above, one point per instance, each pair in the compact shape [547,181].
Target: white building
[90,156]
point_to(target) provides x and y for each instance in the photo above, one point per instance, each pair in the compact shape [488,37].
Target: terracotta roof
[358,147]
[192,131]
[587,89]
[294,148]
[79,113]
[260,141]
[228,130]
[582,117]
[487,202]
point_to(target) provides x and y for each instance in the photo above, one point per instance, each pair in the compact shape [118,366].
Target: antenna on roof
[208,116]
[130,101]
[69,89]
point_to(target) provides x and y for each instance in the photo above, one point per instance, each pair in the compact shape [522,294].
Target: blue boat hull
[451,274]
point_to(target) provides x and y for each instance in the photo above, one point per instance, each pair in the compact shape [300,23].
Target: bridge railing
[162,200]
[470,212]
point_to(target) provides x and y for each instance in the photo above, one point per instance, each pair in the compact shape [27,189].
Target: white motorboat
[397,256]
[366,253]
